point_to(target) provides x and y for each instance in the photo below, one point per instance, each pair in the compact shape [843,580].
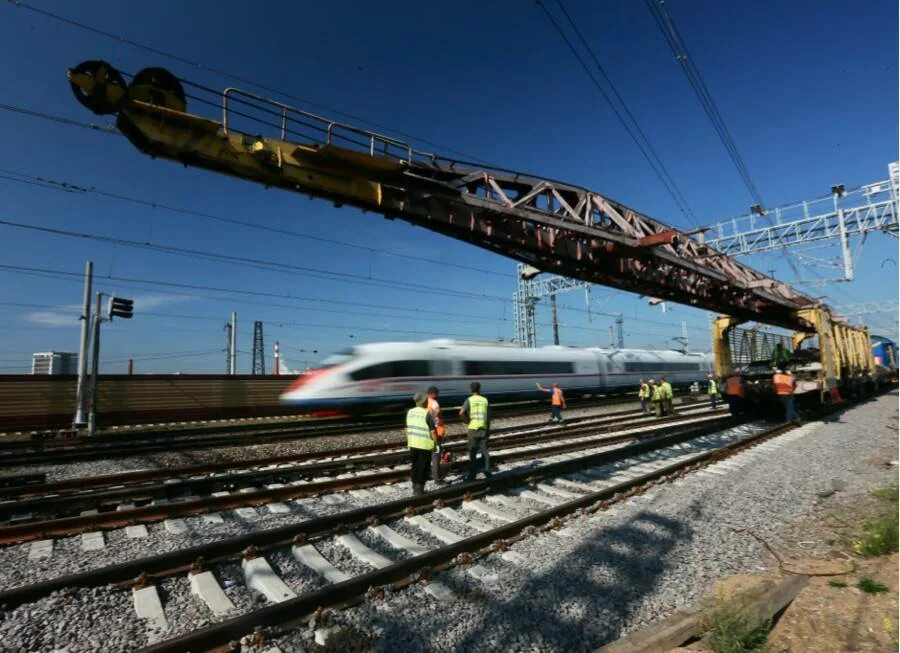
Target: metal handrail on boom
[327,126]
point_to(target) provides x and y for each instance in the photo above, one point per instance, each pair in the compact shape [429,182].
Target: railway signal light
[120,307]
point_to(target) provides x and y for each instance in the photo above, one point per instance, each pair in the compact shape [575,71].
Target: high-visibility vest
[713,387]
[557,398]
[644,392]
[657,393]
[666,390]
[478,408]
[734,387]
[418,435]
[784,384]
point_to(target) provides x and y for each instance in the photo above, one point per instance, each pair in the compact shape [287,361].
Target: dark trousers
[713,400]
[735,405]
[644,406]
[790,412]
[436,461]
[556,413]
[420,460]
[478,443]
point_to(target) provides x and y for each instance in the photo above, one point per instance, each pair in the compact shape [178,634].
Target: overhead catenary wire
[288,268]
[626,110]
[106,129]
[70,187]
[657,166]
[670,31]
[219,72]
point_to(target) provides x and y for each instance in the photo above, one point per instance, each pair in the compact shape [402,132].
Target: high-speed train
[386,374]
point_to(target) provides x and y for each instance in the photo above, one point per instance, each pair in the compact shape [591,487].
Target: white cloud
[53,319]
[67,314]
[155,300]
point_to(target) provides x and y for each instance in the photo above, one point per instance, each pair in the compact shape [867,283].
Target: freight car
[828,360]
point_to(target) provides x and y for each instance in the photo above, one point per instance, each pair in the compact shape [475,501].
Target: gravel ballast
[644,559]
[610,573]
[326,443]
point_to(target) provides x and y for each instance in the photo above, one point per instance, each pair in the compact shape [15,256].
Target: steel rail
[30,453]
[294,612]
[28,531]
[340,461]
[167,564]
[201,468]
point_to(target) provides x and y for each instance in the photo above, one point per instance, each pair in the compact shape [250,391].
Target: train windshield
[338,358]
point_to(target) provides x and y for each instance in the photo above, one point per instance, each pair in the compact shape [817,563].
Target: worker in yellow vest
[712,390]
[784,388]
[667,395]
[420,440]
[656,397]
[557,402]
[476,412]
[644,396]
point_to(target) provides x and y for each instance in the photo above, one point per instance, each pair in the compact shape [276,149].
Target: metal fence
[752,345]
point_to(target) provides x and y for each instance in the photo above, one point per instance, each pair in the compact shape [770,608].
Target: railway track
[125,499]
[395,544]
[487,517]
[53,452]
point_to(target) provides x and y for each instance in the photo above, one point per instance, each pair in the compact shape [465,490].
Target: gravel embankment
[641,561]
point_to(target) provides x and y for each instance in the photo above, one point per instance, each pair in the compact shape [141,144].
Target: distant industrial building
[54,362]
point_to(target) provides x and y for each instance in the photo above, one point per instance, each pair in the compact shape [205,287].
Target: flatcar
[381,375]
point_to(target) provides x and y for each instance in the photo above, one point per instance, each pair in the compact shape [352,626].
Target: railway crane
[554,226]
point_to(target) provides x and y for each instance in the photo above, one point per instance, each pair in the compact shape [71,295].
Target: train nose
[296,390]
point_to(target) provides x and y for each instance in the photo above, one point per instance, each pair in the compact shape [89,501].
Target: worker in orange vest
[557,402]
[784,388]
[434,409]
[734,394]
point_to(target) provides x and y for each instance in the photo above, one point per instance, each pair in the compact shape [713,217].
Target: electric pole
[83,349]
[259,350]
[554,319]
[227,330]
[232,359]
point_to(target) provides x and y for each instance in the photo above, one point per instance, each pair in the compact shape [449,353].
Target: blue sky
[808,91]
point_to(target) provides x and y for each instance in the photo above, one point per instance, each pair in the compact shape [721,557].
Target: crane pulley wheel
[98,86]
[160,87]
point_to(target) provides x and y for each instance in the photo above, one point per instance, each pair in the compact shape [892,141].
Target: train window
[502,368]
[390,369]
[661,367]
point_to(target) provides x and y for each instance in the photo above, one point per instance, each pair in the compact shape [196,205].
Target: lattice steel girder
[881,216]
[556,227]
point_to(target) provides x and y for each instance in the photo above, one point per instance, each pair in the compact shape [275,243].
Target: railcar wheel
[98,86]
[160,87]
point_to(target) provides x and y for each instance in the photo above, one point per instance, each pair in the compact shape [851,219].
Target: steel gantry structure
[837,217]
[530,290]
[557,227]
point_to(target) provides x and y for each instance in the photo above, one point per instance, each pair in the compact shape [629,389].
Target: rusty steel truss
[557,227]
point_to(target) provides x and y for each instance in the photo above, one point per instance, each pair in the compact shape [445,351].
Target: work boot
[418,488]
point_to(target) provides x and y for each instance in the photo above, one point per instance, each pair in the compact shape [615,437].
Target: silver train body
[377,375]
